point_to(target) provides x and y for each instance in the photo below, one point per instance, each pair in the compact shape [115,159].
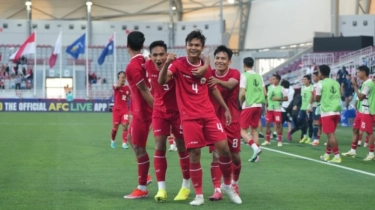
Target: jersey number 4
[194,86]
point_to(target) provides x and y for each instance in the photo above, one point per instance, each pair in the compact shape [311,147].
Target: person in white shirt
[285,105]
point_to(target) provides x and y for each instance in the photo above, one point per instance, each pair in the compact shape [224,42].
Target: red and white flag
[56,51]
[28,47]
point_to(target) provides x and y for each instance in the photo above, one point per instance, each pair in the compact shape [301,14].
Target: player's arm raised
[216,94]
[165,75]
[118,84]
[361,95]
[142,87]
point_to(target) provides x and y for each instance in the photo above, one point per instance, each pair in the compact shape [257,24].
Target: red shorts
[120,116]
[250,117]
[139,130]
[233,132]
[273,117]
[162,123]
[203,132]
[357,121]
[367,122]
[329,123]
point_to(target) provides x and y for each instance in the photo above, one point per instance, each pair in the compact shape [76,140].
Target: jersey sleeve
[318,89]
[135,74]
[243,81]
[173,68]
[365,90]
[236,75]
[208,75]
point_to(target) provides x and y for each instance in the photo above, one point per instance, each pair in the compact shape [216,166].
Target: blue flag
[108,50]
[78,47]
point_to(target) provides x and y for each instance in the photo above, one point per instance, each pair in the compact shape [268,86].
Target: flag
[56,51]
[108,50]
[28,47]
[78,47]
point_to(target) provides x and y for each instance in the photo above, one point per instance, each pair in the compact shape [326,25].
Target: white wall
[348,28]
[277,23]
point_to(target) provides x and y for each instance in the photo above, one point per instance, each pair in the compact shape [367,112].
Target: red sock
[328,150]
[113,134]
[359,137]
[236,170]
[196,177]
[279,137]
[170,140]
[371,148]
[184,164]
[143,166]
[251,142]
[268,137]
[216,174]
[335,150]
[160,165]
[226,168]
[367,139]
[125,136]
[354,145]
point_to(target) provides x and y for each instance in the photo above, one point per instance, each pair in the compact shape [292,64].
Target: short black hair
[365,69]
[224,49]
[308,77]
[248,62]
[285,84]
[136,39]
[277,76]
[196,34]
[120,72]
[325,70]
[158,43]
[316,73]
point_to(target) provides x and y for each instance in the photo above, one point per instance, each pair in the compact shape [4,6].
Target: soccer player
[286,107]
[347,90]
[200,125]
[141,104]
[367,98]
[252,97]
[165,116]
[275,95]
[305,118]
[328,95]
[314,107]
[226,80]
[120,110]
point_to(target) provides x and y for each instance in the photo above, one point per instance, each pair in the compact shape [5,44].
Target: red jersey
[230,96]
[164,95]
[192,93]
[122,96]
[135,73]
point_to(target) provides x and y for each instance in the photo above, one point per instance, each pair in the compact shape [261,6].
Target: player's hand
[171,57]
[295,108]
[228,117]
[199,71]
[213,81]
[354,83]
[275,99]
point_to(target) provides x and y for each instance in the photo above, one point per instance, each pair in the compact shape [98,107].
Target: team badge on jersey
[203,80]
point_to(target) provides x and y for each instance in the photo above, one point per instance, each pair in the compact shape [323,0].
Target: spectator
[18,81]
[99,80]
[24,71]
[69,97]
[30,75]
[104,81]
[7,69]
[23,84]
[341,74]
[347,90]
[2,84]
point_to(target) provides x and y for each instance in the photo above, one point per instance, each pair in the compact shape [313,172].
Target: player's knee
[180,144]
[194,155]
[115,126]
[139,151]
[236,159]
[215,156]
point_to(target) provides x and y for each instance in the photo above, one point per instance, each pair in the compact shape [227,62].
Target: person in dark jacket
[295,107]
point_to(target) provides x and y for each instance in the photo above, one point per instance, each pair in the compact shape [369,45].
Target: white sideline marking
[320,161]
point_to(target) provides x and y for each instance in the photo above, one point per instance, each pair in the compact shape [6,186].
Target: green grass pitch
[64,161]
